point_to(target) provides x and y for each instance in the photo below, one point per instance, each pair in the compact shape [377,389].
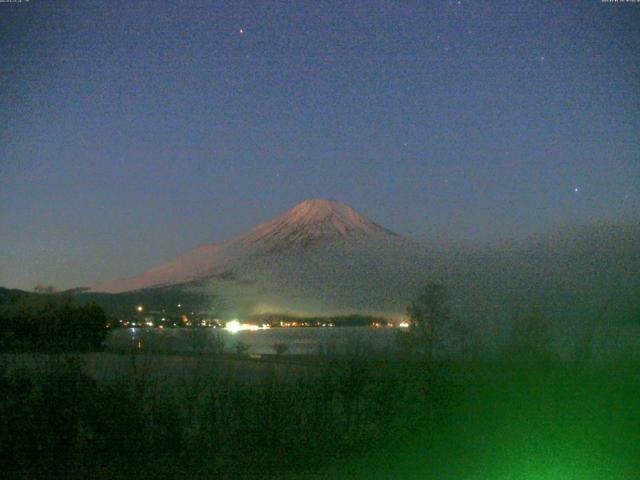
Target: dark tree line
[34,323]
[528,337]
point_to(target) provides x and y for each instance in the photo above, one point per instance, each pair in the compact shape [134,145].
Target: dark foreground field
[350,417]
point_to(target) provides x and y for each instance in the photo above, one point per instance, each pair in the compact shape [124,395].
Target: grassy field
[196,416]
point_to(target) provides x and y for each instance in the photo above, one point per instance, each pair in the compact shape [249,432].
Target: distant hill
[7,295]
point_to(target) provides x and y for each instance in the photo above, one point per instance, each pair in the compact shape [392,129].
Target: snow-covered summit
[311,222]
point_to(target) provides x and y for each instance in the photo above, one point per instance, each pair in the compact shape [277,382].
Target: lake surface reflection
[298,341]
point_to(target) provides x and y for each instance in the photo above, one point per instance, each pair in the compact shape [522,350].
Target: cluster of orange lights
[234,325]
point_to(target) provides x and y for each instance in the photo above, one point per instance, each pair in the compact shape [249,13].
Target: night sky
[132,131]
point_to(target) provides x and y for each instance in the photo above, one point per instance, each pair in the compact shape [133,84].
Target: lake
[298,341]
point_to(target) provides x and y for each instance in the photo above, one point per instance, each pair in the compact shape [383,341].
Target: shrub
[280,348]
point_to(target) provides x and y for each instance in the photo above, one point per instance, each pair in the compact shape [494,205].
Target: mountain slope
[308,227]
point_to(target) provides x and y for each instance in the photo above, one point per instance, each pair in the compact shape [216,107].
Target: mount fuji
[321,256]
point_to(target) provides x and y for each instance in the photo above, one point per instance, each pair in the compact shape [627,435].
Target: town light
[233,326]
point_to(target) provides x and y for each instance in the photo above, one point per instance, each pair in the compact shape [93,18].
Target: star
[576,189]
[241,31]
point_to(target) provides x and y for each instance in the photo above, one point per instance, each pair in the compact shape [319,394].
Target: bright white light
[404,325]
[233,326]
